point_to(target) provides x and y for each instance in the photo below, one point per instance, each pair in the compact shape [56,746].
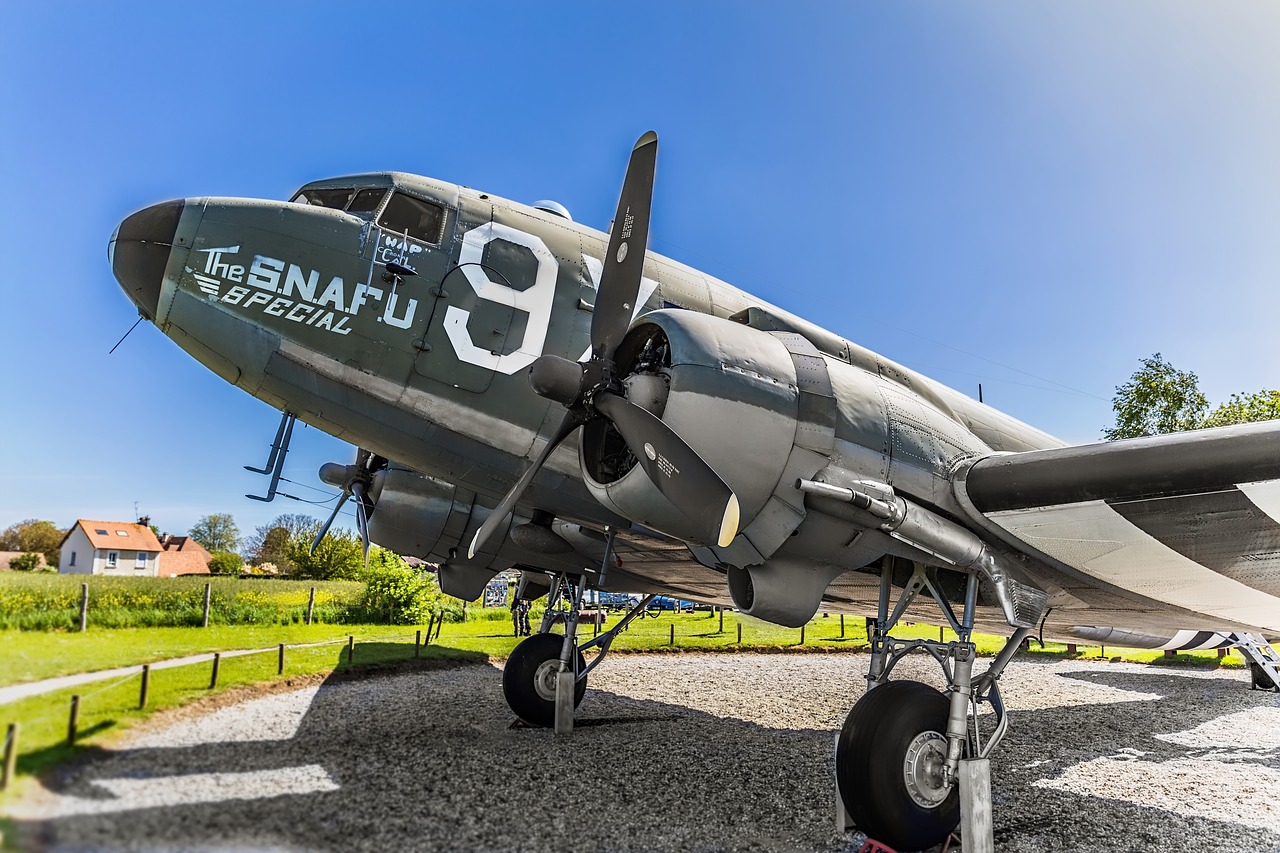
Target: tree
[216,532]
[34,535]
[339,556]
[1157,399]
[269,543]
[1243,409]
[225,563]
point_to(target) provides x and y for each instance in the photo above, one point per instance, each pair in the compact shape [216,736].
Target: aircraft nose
[139,252]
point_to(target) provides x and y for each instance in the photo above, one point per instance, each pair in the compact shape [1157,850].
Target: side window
[336,199]
[140,561]
[365,202]
[73,559]
[420,219]
[113,557]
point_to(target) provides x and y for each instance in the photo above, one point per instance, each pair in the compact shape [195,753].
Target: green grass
[43,602]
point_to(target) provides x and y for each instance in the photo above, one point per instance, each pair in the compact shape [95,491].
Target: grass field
[108,707]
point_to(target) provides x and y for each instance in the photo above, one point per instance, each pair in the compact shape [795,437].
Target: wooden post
[311,605]
[208,598]
[146,686]
[430,625]
[802,635]
[10,756]
[213,678]
[595,624]
[720,630]
[1222,652]
[417,643]
[439,625]
[280,664]
[939,633]
[1071,648]
[351,648]
[842,626]
[74,722]
[1169,653]
[84,607]
[739,633]
[672,642]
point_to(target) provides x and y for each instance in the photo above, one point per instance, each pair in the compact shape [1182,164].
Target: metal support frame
[967,755]
[275,461]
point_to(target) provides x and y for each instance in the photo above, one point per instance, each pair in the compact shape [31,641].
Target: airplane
[525,391]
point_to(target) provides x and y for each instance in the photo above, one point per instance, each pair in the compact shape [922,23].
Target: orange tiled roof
[119,535]
[183,556]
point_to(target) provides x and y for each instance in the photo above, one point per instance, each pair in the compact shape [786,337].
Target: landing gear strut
[546,676]
[910,760]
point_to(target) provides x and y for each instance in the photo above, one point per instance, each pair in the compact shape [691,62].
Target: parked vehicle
[666,602]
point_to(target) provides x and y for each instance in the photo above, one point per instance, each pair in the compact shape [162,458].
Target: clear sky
[1031,196]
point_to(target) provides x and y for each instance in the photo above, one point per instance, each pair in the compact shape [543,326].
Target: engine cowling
[732,393]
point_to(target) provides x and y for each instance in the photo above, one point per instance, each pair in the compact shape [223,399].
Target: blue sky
[1032,196]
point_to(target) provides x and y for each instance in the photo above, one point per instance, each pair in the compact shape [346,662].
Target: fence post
[280,667]
[1071,648]
[720,630]
[74,722]
[208,598]
[351,648]
[146,686]
[84,607]
[10,756]
[417,643]
[673,635]
[311,605]
[213,678]
[439,625]
[739,633]
[430,626]
[939,633]
[802,627]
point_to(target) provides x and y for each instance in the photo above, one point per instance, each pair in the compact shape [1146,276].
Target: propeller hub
[557,378]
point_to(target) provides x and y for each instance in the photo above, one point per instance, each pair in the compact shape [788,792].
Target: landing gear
[911,762]
[890,759]
[529,679]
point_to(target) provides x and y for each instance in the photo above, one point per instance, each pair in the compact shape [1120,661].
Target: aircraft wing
[1188,520]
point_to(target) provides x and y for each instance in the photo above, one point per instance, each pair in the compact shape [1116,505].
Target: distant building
[183,556]
[110,548]
[6,556]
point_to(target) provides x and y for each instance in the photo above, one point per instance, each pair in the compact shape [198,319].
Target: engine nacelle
[732,393]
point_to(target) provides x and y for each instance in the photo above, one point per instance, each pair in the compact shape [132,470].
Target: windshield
[356,201]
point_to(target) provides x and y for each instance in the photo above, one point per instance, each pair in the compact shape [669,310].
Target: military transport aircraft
[529,392]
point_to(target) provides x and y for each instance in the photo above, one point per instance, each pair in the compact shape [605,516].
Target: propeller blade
[329,523]
[682,476]
[362,517]
[499,515]
[624,261]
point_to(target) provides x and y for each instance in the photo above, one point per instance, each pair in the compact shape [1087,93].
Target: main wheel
[529,679]
[889,762]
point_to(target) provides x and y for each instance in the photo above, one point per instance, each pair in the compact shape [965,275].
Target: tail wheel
[889,762]
[529,679]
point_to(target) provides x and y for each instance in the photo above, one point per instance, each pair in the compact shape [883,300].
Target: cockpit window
[358,202]
[420,219]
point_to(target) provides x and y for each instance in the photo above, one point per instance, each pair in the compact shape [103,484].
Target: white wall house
[110,548]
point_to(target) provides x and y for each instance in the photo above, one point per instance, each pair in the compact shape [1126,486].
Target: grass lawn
[108,707]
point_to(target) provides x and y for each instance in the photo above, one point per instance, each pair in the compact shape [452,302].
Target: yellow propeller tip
[729,523]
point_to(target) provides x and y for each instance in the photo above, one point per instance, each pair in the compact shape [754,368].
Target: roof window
[100,531]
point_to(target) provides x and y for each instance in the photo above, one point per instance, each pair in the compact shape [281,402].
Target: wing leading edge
[1190,520]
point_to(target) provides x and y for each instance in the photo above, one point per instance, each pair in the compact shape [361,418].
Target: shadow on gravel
[429,761]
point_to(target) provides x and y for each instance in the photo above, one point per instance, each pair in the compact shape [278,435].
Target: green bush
[398,595]
[225,563]
[25,563]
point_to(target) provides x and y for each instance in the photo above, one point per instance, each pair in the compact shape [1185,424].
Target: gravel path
[672,752]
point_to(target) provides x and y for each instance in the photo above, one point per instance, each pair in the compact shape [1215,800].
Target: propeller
[592,390]
[354,480]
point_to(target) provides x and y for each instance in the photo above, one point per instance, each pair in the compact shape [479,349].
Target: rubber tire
[869,759]
[518,675]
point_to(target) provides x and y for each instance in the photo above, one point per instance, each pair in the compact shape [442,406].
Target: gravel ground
[682,752]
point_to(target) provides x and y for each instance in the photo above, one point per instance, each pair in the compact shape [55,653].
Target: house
[110,548]
[6,556]
[183,556]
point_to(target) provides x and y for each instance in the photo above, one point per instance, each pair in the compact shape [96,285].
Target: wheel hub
[922,769]
[544,679]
